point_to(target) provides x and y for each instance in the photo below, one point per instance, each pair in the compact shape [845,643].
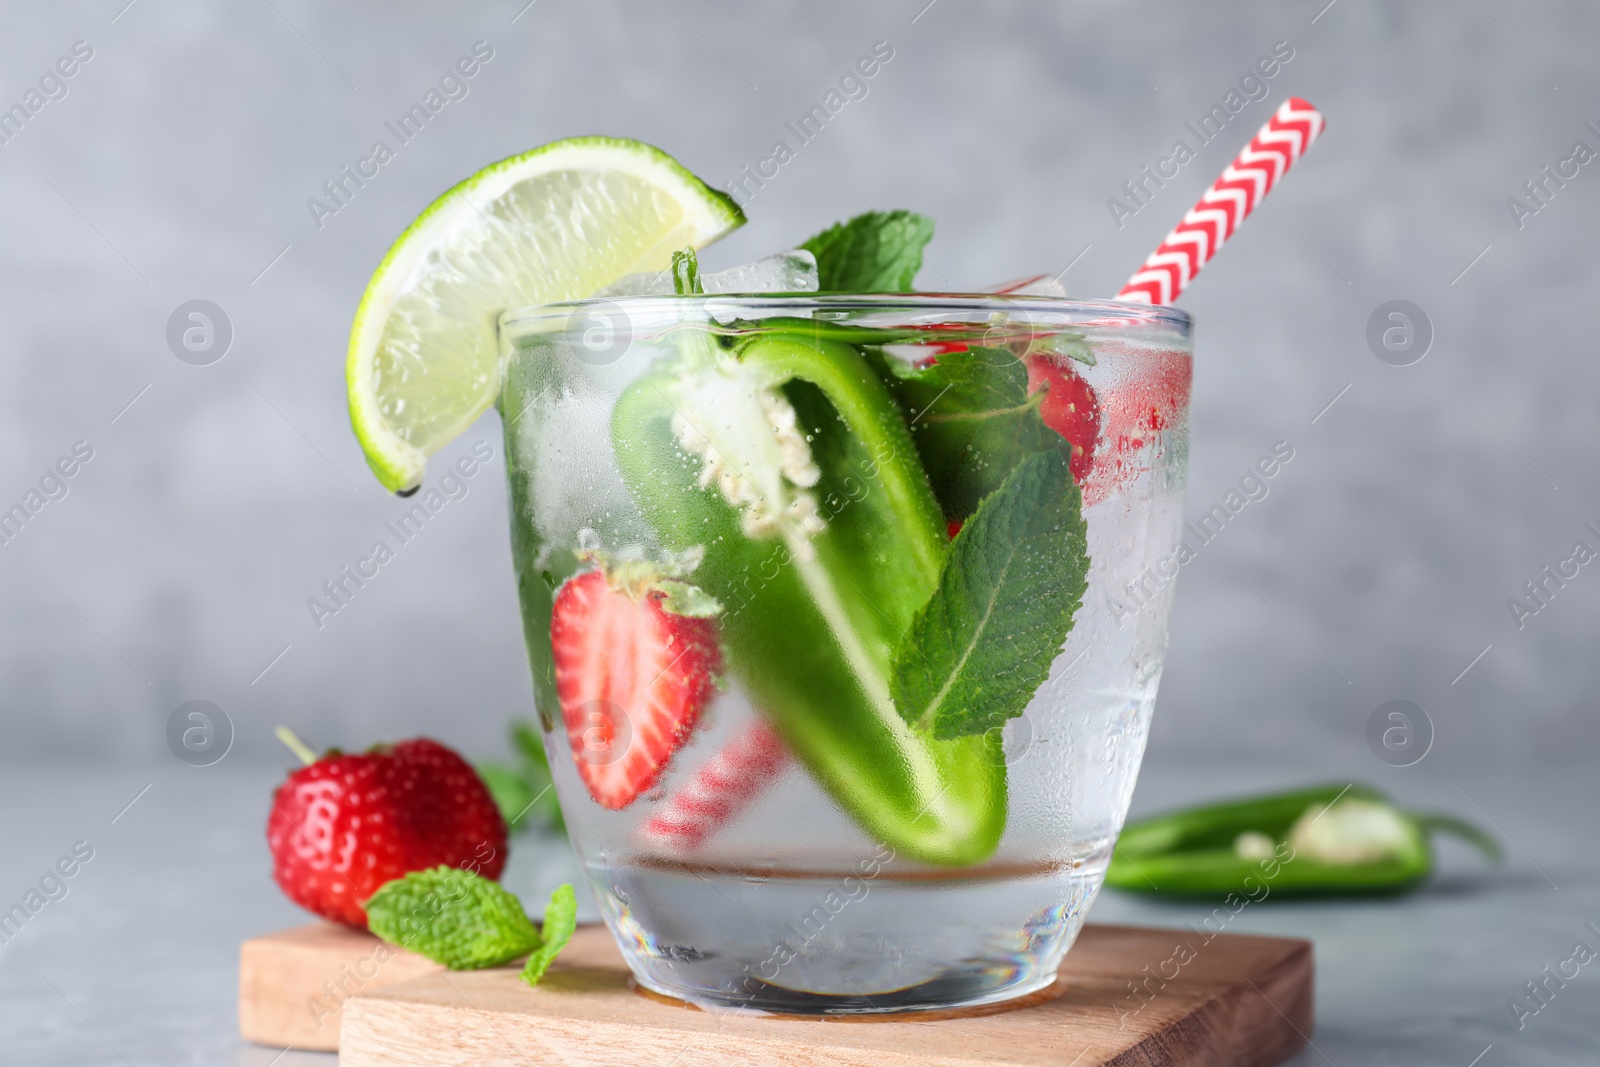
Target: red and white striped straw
[723,787]
[1231,198]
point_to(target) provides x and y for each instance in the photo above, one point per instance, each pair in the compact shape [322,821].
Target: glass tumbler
[846,615]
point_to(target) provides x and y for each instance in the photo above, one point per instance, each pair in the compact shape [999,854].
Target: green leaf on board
[560,923]
[454,917]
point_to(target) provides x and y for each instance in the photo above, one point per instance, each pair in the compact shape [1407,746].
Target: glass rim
[1109,314]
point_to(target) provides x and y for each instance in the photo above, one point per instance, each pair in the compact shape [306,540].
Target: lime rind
[423,360]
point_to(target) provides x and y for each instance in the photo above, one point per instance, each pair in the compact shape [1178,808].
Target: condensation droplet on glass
[589,539]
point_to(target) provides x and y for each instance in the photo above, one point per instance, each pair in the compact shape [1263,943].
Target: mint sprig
[878,252]
[972,419]
[983,644]
[467,922]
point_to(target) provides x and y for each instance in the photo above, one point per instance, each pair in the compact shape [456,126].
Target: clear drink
[846,616]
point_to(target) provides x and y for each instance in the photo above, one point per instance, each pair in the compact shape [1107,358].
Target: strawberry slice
[632,678]
[1070,408]
[1106,439]
[1150,401]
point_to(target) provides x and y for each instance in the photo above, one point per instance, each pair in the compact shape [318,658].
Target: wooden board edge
[1256,1019]
[295,984]
[373,1029]
[1276,1003]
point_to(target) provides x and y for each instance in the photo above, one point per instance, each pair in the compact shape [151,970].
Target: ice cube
[794,271]
[651,283]
[1036,285]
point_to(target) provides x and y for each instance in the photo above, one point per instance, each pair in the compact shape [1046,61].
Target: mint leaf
[978,650]
[524,791]
[511,791]
[560,923]
[529,747]
[453,917]
[972,420]
[879,252]
[536,772]
[686,273]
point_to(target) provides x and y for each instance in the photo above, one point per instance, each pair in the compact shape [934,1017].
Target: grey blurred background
[179,164]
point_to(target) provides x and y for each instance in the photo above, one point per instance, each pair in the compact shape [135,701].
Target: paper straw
[726,784]
[1231,198]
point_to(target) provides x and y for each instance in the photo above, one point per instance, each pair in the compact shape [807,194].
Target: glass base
[816,944]
[951,994]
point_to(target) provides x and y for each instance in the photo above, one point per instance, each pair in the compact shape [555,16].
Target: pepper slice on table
[1327,841]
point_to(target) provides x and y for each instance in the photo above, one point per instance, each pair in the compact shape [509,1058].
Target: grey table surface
[136,964]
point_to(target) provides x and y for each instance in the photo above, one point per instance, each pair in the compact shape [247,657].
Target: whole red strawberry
[344,825]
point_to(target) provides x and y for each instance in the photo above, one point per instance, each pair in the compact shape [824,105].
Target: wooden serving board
[1126,995]
[294,984]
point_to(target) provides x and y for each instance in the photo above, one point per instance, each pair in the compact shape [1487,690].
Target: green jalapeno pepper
[1335,840]
[785,458]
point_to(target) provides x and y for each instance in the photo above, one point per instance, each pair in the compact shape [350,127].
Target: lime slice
[557,223]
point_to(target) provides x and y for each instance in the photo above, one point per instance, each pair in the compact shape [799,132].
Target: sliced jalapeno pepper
[1335,840]
[789,462]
